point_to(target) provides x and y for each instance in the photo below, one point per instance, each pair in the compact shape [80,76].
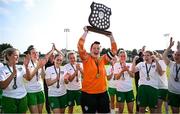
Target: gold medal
[148,78]
[98,75]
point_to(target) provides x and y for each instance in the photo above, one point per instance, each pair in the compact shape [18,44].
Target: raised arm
[50,52]
[80,46]
[178,46]
[58,51]
[133,67]
[143,48]
[113,44]
[165,54]
[159,68]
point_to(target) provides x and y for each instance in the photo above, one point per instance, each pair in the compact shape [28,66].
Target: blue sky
[134,23]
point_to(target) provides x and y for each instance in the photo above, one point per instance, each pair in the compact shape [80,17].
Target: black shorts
[92,103]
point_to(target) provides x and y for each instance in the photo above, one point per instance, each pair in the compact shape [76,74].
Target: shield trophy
[99,19]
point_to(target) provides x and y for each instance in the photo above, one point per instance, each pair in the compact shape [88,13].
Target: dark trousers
[92,103]
[136,83]
[46,97]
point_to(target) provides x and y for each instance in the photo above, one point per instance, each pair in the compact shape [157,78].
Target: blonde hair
[72,52]
[122,51]
[8,52]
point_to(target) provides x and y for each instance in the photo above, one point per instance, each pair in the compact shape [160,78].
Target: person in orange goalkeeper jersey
[94,85]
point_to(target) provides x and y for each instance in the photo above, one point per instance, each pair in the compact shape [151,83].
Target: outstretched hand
[78,67]
[143,48]
[113,60]
[135,58]
[171,43]
[109,35]
[41,62]
[85,29]
[178,45]
[27,58]
[53,47]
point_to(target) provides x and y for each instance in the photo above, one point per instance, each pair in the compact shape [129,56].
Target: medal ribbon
[148,70]
[113,73]
[123,72]
[14,85]
[37,70]
[177,71]
[58,74]
[75,71]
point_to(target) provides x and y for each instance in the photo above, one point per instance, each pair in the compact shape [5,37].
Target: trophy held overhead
[99,19]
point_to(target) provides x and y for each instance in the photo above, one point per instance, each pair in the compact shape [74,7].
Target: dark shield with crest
[99,18]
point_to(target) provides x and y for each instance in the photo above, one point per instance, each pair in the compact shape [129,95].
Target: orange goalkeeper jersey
[91,83]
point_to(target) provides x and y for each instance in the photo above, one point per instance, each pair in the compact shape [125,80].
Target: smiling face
[12,56]
[34,54]
[148,56]
[72,58]
[122,56]
[58,60]
[95,49]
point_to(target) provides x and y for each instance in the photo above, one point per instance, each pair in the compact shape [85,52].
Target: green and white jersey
[112,81]
[36,83]
[162,82]
[74,85]
[174,86]
[20,91]
[51,74]
[124,84]
[153,82]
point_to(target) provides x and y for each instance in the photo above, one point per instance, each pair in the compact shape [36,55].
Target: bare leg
[70,109]
[56,111]
[112,103]
[121,107]
[130,106]
[142,110]
[33,109]
[117,108]
[40,107]
[62,110]
[159,105]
